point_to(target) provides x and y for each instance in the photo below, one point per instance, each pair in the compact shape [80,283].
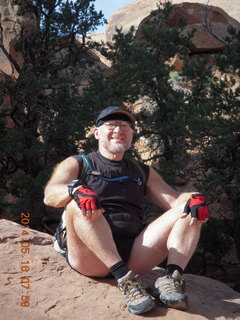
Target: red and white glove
[87,199]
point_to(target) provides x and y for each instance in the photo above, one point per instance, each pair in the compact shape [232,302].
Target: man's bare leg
[168,236]
[92,252]
[89,243]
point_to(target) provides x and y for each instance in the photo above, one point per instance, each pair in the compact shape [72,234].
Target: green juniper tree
[48,116]
[140,74]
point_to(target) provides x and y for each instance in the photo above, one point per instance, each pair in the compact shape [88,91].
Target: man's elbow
[52,201]
[48,201]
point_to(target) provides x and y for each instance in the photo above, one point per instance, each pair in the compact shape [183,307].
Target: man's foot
[171,289]
[137,299]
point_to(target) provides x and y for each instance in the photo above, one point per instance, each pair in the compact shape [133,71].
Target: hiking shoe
[137,299]
[171,290]
[60,236]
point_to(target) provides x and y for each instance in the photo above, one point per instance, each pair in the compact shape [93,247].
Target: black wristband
[73,184]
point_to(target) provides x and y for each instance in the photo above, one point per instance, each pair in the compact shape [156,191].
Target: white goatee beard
[116,148]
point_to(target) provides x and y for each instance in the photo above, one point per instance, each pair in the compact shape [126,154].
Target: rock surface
[133,13]
[12,24]
[58,292]
[210,24]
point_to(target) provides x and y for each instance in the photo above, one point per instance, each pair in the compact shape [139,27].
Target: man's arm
[56,191]
[161,194]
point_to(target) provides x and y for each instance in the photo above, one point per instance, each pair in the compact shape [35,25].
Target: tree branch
[207,26]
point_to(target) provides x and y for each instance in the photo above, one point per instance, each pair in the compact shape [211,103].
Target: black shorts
[124,246]
[125,228]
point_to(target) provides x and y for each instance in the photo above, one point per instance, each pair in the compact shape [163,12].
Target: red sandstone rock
[198,17]
[12,25]
[133,13]
[58,292]
[176,63]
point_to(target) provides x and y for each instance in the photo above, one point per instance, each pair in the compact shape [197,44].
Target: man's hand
[198,208]
[88,202]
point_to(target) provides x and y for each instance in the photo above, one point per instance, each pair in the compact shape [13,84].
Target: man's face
[115,136]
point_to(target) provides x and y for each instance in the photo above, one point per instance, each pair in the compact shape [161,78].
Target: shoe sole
[58,249]
[181,305]
[144,309]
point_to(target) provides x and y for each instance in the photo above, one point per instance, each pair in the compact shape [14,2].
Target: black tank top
[115,196]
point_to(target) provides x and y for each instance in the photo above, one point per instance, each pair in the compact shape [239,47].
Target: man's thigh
[79,257]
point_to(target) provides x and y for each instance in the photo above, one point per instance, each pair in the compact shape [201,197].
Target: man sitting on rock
[105,233]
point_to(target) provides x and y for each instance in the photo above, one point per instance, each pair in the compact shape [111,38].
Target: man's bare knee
[73,214]
[72,208]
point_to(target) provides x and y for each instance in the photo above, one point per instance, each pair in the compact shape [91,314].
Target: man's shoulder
[141,167]
[137,162]
[80,156]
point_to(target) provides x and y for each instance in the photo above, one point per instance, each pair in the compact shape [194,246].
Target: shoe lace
[132,288]
[174,285]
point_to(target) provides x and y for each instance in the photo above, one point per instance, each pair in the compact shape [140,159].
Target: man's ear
[96,133]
